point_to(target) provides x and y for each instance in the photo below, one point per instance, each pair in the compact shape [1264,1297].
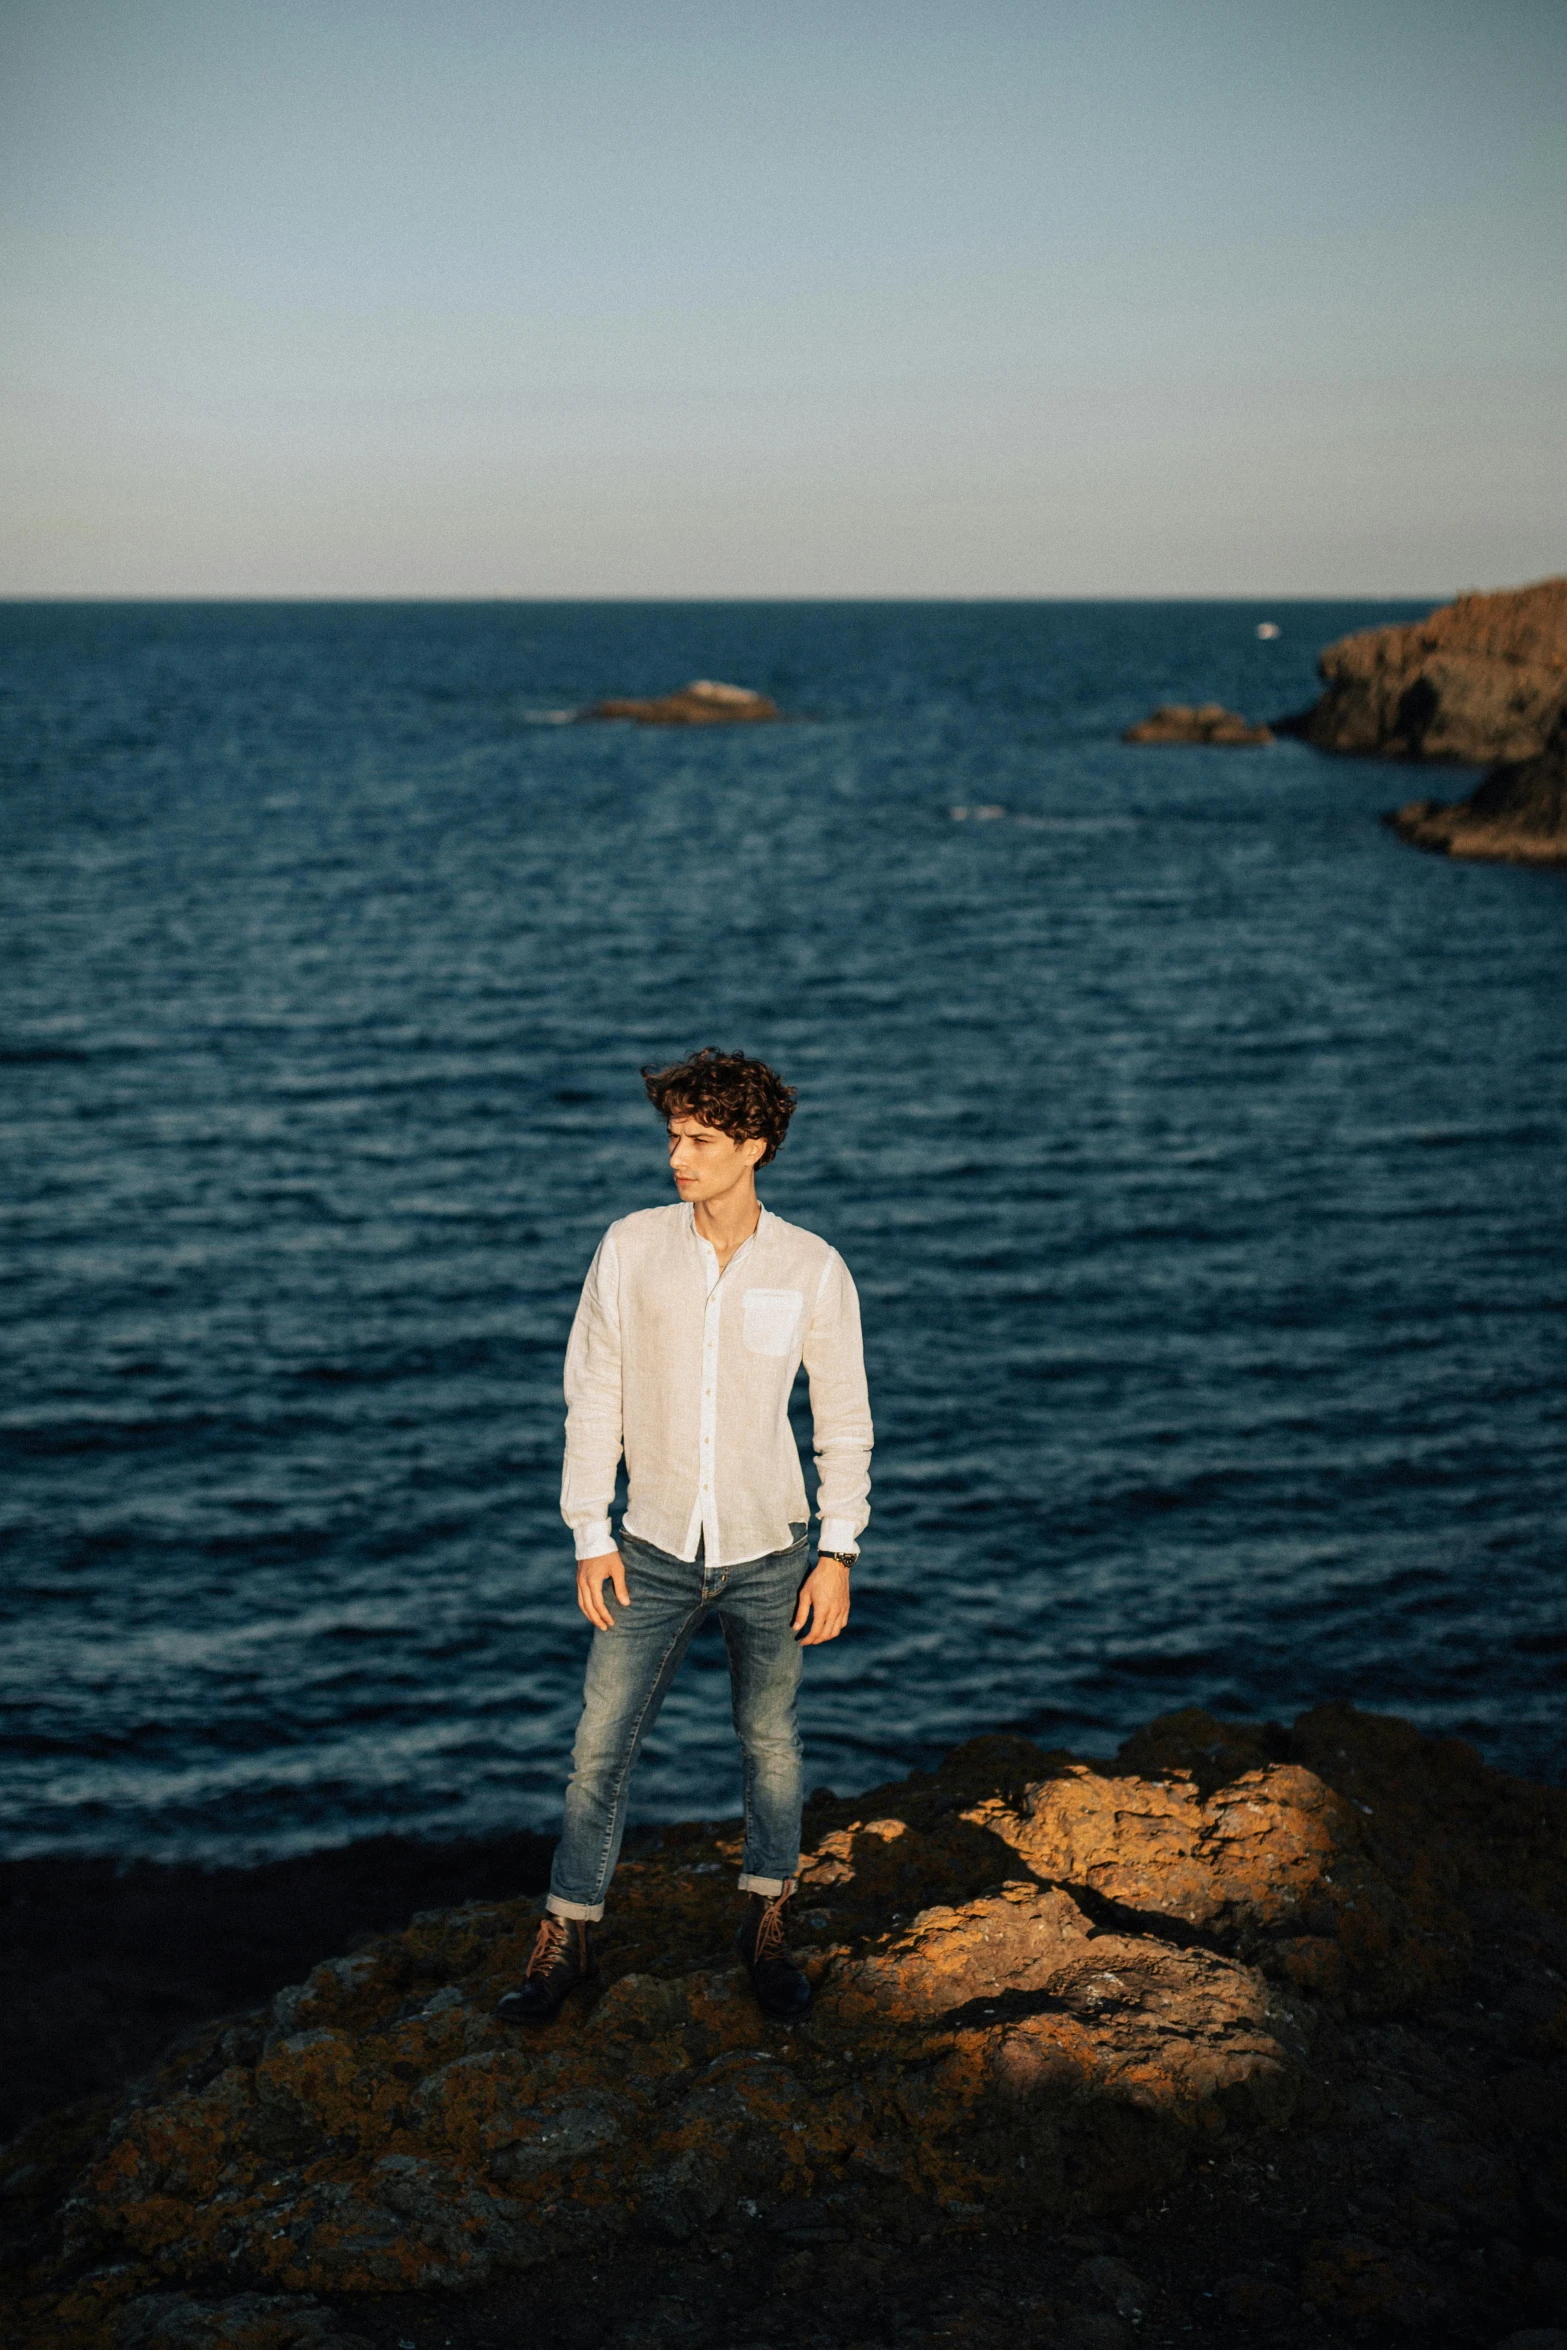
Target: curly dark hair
[742,1098]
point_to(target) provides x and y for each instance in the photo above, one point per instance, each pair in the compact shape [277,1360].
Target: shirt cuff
[838,1534]
[593,1541]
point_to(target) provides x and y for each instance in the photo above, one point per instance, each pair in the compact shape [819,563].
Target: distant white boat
[1268,628]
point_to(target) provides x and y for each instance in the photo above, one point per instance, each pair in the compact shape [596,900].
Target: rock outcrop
[1207,722]
[1480,680]
[1517,816]
[1047,1991]
[702,703]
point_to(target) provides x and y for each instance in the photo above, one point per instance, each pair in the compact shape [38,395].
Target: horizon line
[1181,596]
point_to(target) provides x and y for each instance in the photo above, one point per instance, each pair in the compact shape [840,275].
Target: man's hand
[592,1575]
[824,1597]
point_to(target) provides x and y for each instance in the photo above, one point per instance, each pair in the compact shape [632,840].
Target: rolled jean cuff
[589,1912]
[771,1886]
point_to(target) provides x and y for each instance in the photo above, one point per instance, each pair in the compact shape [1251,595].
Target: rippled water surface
[1198,1149]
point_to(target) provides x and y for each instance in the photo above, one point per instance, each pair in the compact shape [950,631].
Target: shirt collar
[690,1213]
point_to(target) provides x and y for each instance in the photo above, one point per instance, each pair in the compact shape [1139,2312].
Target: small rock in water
[705,702]
[1207,722]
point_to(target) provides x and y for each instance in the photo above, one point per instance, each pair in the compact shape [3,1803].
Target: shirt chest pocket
[770,1319]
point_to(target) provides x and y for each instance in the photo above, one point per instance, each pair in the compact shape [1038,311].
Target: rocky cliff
[1517,816]
[1480,680]
[1064,2011]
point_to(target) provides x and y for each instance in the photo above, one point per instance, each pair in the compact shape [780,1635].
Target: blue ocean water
[1197,1147]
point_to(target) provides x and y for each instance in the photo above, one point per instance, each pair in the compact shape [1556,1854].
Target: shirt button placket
[708,1421]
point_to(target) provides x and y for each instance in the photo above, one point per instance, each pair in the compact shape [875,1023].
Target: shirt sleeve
[840,1408]
[593,1406]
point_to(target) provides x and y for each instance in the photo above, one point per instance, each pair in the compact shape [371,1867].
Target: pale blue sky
[1126,297]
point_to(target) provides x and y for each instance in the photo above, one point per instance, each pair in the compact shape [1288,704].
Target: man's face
[706,1163]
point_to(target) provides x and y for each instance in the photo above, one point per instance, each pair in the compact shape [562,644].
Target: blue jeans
[629,1673]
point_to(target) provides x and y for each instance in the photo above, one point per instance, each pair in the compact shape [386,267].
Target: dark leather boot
[562,1958]
[781,1990]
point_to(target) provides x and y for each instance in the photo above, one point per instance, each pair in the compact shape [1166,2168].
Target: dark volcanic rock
[241,2321]
[702,703]
[1286,2006]
[1480,679]
[102,1966]
[1208,722]
[1517,816]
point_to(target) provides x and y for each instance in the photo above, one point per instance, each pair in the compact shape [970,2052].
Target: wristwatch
[845,1558]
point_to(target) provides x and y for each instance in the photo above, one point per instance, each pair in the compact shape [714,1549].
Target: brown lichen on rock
[1517,816]
[704,702]
[1204,722]
[1479,680]
[1043,1989]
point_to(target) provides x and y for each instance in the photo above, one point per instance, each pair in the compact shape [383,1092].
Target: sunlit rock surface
[1481,679]
[1043,1988]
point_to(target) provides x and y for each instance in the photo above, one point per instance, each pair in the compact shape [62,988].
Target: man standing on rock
[693,1323]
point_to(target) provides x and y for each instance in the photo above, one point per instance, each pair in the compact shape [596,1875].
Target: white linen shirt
[688,1371]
